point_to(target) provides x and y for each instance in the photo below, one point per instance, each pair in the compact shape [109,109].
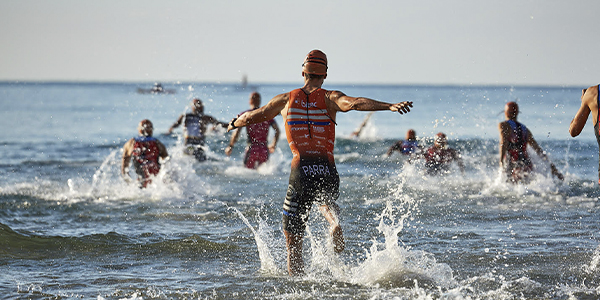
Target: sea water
[71,228]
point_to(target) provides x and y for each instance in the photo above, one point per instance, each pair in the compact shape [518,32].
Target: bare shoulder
[591,95]
[502,125]
[335,95]
[128,147]
[336,100]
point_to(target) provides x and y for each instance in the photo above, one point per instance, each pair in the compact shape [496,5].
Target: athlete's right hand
[231,125]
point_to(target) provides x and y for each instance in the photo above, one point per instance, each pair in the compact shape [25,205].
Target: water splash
[276,164]
[388,263]
[263,238]
[593,266]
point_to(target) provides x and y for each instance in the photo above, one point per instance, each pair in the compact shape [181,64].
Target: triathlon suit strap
[518,146]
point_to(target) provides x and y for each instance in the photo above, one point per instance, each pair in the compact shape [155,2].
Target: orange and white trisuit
[310,132]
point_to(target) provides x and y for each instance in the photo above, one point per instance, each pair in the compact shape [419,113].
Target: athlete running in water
[194,129]
[145,151]
[589,103]
[309,115]
[514,138]
[439,157]
[257,151]
[408,146]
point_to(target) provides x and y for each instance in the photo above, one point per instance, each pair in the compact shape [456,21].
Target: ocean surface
[71,228]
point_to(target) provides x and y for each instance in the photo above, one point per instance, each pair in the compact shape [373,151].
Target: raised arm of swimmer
[589,104]
[267,112]
[345,103]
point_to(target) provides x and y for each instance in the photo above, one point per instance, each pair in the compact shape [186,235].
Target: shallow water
[71,228]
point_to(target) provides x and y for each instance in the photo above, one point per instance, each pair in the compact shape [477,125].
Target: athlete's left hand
[402,107]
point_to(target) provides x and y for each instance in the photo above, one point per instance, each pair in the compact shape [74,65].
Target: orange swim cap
[315,63]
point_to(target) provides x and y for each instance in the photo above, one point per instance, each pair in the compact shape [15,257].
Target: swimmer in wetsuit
[590,99]
[408,146]
[145,151]
[257,151]
[309,115]
[514,138]
[194,129]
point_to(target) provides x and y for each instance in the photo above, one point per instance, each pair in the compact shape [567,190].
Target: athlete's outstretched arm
[176,124]
[345,103]
[395,147]
[162,150]
[538,149]
[265,113]
[212,120]
[588,104]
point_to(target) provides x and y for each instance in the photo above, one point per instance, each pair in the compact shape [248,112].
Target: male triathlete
[309,115]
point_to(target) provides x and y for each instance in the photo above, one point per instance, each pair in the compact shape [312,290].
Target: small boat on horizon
[156,89]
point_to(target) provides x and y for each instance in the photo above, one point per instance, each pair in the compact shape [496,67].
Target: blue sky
[390,42]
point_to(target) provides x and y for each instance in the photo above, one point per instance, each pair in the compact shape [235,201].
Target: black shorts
[311,182]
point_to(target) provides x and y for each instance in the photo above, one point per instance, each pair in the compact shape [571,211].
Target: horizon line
[258,83]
